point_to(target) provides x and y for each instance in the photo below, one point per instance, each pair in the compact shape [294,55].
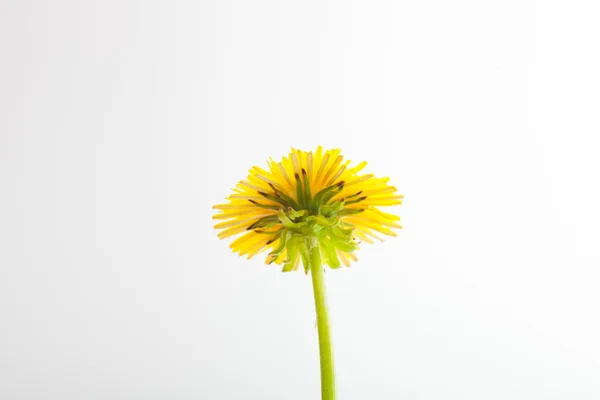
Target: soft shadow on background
[123,122]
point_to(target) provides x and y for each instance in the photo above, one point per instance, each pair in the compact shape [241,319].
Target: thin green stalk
[325,351]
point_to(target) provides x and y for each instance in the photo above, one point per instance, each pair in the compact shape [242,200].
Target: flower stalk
[325,349]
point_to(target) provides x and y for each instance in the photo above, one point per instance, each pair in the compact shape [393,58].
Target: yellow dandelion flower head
[307,199]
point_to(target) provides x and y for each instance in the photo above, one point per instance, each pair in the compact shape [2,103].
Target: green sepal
[276,235]
[300,191]
[343,245]
[264,222]
[330,254]
[292,253]
[324,195]
[307,193]
[342,232]
[265,206]
[275,198]
[303,249]
[329,195]
[281,193]
[356,200]
[354,195]
[321,220]
[282,245]
[350,211]
[331,209]
[296,214]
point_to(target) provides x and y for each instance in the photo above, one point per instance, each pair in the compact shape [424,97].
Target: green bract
[319,225]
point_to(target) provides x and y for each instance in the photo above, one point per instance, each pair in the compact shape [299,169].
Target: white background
[122,123]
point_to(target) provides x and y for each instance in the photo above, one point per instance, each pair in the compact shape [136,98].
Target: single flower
[307,195]
[312,208]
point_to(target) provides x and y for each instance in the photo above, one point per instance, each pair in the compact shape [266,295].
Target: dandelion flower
[309,208]
[307,195]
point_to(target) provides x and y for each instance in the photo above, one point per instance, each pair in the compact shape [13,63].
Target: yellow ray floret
[307,195]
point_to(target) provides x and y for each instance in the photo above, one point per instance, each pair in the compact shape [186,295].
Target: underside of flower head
[305,200]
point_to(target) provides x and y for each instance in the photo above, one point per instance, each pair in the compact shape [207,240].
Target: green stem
[325,351]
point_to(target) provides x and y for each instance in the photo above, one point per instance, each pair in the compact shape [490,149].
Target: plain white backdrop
[122,123]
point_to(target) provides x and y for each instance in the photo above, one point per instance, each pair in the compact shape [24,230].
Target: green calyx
[307,221]
[303,230]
